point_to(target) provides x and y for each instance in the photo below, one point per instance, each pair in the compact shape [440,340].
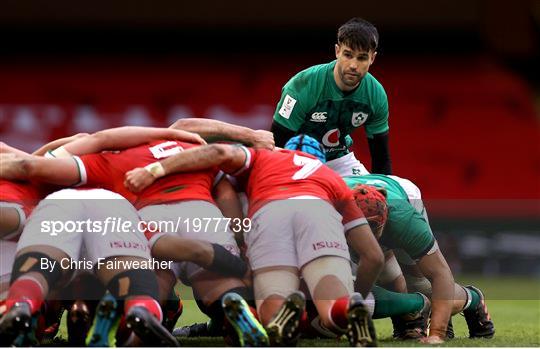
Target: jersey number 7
[308,166]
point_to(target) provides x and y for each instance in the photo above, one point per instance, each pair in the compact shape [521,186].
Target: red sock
[25,290]
[254,312]
[338,312]
[304,322]
[146,302]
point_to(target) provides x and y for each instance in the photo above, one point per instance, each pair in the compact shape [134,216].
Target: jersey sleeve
[290,111]
[94,170]
[408,230]
[378,122]
[248,162]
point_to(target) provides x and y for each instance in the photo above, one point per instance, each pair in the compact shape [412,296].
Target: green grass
[514,304]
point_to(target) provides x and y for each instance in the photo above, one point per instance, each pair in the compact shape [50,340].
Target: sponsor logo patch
[329,244]
[318,117]
[331,138]
[358,118]
[287,107]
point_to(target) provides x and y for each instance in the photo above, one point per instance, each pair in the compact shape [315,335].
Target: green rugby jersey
[405,228]
[312,103]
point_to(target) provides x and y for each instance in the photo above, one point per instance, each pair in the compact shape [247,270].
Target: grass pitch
[514,305]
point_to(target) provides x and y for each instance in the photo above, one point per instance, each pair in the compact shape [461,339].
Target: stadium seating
[461,129]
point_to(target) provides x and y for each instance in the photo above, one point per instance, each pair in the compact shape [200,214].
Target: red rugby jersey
[107,170]
[282,174]
[26,194]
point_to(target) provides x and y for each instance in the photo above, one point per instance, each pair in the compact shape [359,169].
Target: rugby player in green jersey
[406,229]
[329,101]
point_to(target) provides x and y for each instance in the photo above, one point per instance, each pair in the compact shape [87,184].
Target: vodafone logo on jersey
[331,138]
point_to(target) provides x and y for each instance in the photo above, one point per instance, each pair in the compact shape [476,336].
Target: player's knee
[134,282]
[36,262]
[329,273]
[418,284]
[392,275]
[276,282]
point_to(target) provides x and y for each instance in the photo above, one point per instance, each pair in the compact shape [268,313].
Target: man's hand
[263,139]
[432,340]
[190,137]
[138,179]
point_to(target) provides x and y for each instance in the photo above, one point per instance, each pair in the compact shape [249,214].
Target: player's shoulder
[309,77]
[373,85]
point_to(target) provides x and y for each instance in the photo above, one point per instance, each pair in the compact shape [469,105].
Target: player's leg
[40,263]
[115,254]
[209,287]
[324,257]
[271,252]
[12,220]
[81,299]
[467,299]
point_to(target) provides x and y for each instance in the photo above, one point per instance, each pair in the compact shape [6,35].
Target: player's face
[351,66]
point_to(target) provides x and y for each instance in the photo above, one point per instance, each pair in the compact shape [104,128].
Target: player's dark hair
[358,34]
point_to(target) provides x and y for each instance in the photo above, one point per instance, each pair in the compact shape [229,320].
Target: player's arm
[62,171]
[58,143]
[212,257]
[122,138]
[363,242]
[289,115]
[215,131]
[7,149]
[392,277]
[437,271]
[377,129]
[281,134]
[228,158]
[380,154]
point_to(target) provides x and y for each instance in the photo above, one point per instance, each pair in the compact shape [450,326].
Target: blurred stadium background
[462,77]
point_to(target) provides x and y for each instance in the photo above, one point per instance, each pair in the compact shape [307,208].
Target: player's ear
[337,50]
[382,191]
[373,57]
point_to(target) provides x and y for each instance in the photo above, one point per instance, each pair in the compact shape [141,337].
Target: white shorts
[348,165]
[100,207]
[295,231]
[7,257]
[413,193]
[183,219]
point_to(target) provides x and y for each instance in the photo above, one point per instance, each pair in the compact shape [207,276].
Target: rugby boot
[360,330]
[17,326]
[249,331]
[194,330]
[284,328]
[478,319]
[103,330]
[414,326]
[147,327]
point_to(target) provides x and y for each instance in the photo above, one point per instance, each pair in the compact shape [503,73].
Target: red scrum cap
[372,201]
